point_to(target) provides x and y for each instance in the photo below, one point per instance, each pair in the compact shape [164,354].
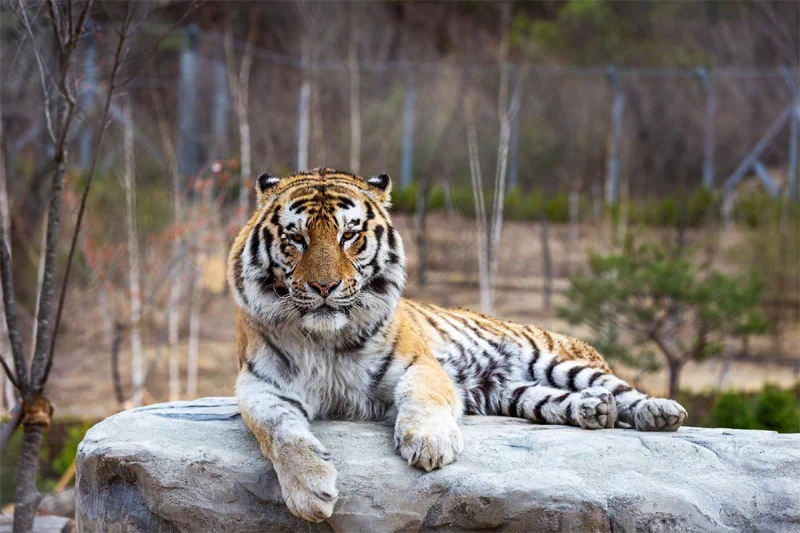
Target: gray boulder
[194,467]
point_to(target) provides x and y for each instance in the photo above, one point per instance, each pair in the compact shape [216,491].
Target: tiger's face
[320,250]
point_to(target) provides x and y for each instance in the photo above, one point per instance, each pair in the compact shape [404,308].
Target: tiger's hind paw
[658,414]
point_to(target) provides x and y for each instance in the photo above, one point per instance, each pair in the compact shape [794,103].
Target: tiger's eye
[296,237]
[347,235]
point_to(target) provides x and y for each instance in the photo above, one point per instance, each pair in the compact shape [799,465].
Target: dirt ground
[81,384]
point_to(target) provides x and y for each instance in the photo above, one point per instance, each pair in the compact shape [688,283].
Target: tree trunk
[547,265]
[137,358]
[193,362]
[246,170]
[675,369]
[173,337]
[27,498]
[422,236]
[5,346]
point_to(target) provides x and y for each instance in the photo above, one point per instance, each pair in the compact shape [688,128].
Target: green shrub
[733,410]
[436,198]
[557,208]
[514,205]
[778,409]
[463,201]
[772,408]
[755,208]
[703,206]
[405,200]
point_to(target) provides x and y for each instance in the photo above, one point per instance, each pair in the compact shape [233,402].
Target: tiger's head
[320,251]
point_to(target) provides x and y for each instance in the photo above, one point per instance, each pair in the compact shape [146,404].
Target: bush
[558,208]
[405,200]
[772,409]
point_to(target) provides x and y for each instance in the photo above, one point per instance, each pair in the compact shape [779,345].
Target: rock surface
[194,467]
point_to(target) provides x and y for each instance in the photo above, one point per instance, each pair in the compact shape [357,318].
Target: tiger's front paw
[658,414]
[595,408]
[308,482]
[429,442]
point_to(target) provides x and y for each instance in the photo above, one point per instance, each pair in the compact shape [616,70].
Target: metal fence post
[303,110]
[187,106]
[708,133]
[513,152]
[219,119]
[90,89]
[409,110]
[612,183]
[794,133]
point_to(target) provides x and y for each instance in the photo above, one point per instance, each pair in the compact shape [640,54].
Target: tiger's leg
[633,407]
[591,408]
[280,423]
[426,433]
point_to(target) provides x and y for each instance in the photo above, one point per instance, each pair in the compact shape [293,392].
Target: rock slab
[195,467]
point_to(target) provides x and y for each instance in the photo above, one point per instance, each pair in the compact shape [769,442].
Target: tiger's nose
[324,288]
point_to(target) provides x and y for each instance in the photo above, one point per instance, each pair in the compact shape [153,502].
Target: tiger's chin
[325,321]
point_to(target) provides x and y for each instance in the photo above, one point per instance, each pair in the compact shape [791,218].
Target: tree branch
[9,372]
[10,306]
[7,429]
[118,58]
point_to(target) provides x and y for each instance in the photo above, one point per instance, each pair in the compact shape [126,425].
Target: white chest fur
[333,385]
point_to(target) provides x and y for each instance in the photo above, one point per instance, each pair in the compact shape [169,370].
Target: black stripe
[392,238]
[280,291]
[548,373]
[571,375]
[295,403]
[238,275]
[513,407]
[363,246]
[370,211]
[413,360]
[535,353]
[282,356]
[267,283]
[571,416]
[561,398]
[537,410]
[251,367]
[345,202]
[376,378]
[365,336]
[297,204]
[634,403]
[380,285]
[378,235]
[393,258]
[595,377]
[255,256]
[621,388]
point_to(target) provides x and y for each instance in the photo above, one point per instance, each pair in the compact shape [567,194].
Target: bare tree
[176,287]
[505,114]
[5,221]
[134,277]
[240,90]
[67,27]
[484,273]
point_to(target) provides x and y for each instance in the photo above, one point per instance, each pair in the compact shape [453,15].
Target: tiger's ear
[381,187]
[264,184]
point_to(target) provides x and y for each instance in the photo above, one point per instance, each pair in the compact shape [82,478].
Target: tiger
[323,332]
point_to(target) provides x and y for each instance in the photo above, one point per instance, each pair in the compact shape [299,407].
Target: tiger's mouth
[329,309]
[325,318]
